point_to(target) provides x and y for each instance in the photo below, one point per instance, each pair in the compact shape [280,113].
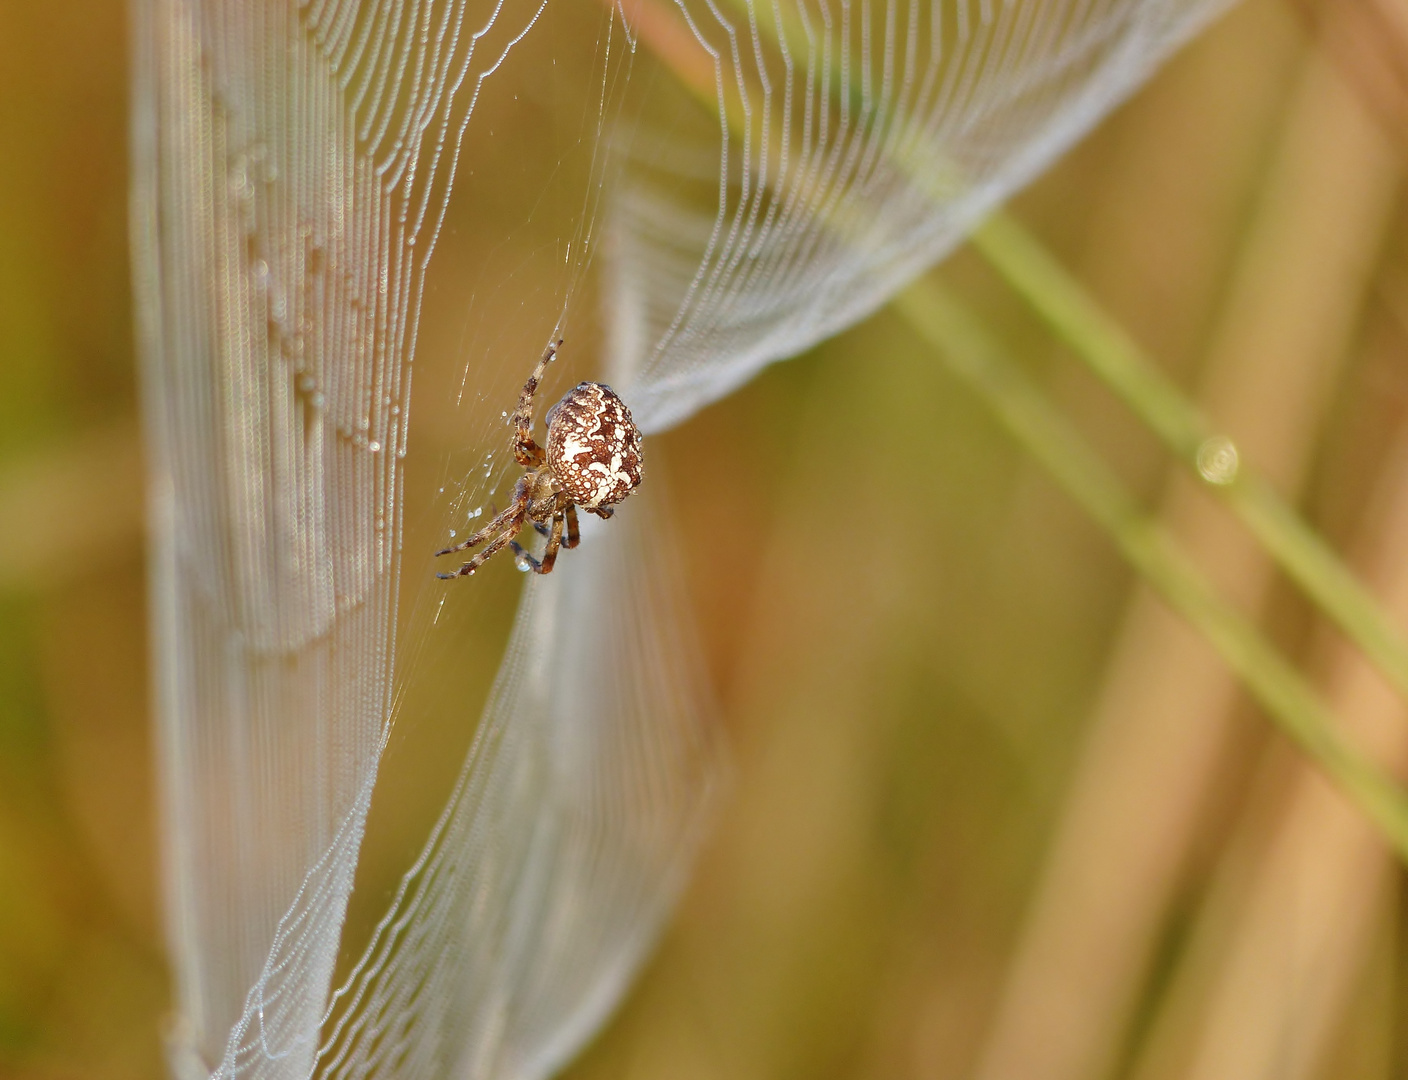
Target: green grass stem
[1119,362]
[1022,408]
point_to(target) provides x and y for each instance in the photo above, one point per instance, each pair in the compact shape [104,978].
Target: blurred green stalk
[1115,358]
[972,354]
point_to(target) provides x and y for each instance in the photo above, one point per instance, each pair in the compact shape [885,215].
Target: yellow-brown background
[906,705]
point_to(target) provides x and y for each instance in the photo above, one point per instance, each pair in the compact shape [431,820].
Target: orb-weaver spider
[592,460]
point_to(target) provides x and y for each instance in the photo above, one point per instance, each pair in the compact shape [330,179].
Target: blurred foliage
[908,625]
[81,976]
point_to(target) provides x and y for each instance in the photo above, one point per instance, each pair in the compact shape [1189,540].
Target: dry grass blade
[1368,40]
[1288,931]
[1160,725]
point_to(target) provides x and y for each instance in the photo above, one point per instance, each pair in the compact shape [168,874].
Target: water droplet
[442,491]
[522,563]
[317,401]
[374,446]
[1218,460]
[261,270]
[452,531]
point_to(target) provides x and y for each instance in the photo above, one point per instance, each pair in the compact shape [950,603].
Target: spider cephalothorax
[592,460]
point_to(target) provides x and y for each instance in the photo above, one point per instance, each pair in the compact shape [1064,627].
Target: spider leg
[603,512]
[506,525]
[516,508]
[573,535]
[483,534]
[496,545]
[525,450]
[549,554]
[570,540]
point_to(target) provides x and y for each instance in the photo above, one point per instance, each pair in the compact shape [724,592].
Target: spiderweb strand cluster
[292,165]
[857,144]
[565,842]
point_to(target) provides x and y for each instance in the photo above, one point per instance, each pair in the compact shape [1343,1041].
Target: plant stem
[1119,362]
[1024,411]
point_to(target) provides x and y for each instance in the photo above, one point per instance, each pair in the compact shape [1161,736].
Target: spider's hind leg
[574,535]
[549,554]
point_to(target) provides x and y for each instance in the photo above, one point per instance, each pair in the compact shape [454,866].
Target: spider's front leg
[506,525]
[525,450]
[494,547]
[522,493]
[549,553]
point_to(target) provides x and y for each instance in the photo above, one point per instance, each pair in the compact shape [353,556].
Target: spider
[592,460]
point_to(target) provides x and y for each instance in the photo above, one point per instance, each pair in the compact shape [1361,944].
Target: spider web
[294,162]
[857,143]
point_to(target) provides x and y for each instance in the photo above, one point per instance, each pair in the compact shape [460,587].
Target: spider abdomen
[594,447]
